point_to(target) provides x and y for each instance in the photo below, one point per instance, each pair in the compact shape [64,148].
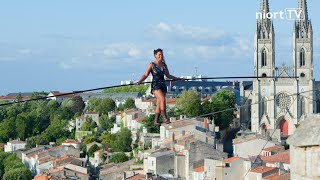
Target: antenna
[196,69]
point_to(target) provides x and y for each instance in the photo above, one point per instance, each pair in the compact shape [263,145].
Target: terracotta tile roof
[137,177]
[200,169]
[71,141]
[263,169]
[81,117]
[283,157]
[45,159]
[17,142]
[13,97]
[274,148]
[41,177]
[278,176]
[230,159]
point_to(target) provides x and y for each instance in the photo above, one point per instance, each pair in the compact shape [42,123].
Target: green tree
[89,139]
[93,149]
[85,126]
[106,123]
[119,142]
[221,101]
[207,108]
[122,141]
[106,106]
[21,173]
[119,157]
[142,88]
[7,130]
[148,123]
[129,103]
[189,103]
[102,106]
[93,125]
[78,104]
[22,122]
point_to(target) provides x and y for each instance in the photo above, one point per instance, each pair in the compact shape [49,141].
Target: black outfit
[158,78]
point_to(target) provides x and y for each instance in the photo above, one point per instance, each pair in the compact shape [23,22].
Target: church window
[264,58]
[302,57]
[283,100]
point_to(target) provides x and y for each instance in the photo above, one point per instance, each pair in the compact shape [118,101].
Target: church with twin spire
[274,106]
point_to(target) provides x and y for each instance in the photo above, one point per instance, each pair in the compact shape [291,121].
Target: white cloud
[121,50]
[183,33]
[108,57]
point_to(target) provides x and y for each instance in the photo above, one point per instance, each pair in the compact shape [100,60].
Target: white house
[14,145]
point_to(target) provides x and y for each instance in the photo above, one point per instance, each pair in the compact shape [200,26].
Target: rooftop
[283,157]
[230,159]
[71,141]
[16,141]
[263,169]
[308,132]
[159,154]
[274,148]
[278,176]
[199,169]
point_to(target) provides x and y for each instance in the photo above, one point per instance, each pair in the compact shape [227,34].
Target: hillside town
[263,129]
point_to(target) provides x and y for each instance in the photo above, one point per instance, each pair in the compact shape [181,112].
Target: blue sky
[74,45]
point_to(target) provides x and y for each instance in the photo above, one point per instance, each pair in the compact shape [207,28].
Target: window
[302,57]
[318,106]
[264,58]
[228,165]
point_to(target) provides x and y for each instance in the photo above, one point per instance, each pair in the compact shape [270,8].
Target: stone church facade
[277,104]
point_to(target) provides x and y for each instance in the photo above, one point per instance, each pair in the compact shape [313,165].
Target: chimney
[206,124]
[183,132]
[172,137]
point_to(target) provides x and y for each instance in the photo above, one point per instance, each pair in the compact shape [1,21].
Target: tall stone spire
[303,45]
[304,8]
[264,6]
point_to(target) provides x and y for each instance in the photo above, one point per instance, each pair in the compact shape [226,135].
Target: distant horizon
[71,45]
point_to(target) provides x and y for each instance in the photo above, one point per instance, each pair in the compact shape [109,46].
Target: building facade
[288,96]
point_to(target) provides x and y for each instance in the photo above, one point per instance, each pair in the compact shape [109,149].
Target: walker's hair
[157,50]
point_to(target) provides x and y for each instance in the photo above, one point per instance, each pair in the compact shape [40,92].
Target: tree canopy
[189,103]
